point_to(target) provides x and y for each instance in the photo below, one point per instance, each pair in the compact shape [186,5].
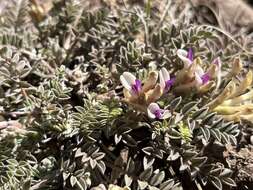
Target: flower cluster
[234,102]
[143,95]
[193,76]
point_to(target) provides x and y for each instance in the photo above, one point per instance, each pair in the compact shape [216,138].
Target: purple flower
[136,87]
[165,81]
[205,78]
[155,112]
[202,78]
[169,83]
[190,54]
[186,57]
[130,82]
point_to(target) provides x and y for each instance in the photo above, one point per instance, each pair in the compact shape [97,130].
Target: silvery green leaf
[175,103]
[142,184]
[225,138]
[148,150]
[98,155]
[12,162]
[19,172]
[206,133]
[226,125]
[73,181]
[188,108]
[101,166]
[226,173]
[82,183]
[231,128]
[146,174]
[229,182]
[93,163]
[79,153]
[148,162]
[157,178]
[177,186]
[216,171]
[209,118]
[130,166]
[80,186]
[65,175]
[216,133]
[152,188]
[117,138]
[79,173]
[128,180]
[216,182]
[233,140]
[200,113]
[167,185]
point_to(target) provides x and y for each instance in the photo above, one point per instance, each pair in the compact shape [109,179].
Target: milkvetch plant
[155,112]
[108,98]
[138,95]
[193,76]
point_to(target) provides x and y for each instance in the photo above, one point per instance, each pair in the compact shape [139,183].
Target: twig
[146,31]
[165,12]
[227,35]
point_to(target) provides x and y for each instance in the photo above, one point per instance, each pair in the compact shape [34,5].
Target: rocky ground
[232,16]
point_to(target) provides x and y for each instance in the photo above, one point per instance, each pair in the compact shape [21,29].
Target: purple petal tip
[170,82]
[190,54]
[205,78]
[158,113]
[136,88]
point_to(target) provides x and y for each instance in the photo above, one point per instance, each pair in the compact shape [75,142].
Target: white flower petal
[162,82]
[198,79]
[150,114]
[163,76]
[125,83]
[153,107]
[127,80]
[199,70]
[182,54]
[166,114]
[129,77]
[165,73]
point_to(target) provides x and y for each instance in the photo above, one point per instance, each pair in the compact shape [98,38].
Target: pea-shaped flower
[130,82]
[186,56]
[155,112]
[165,81]
[201,77]
[194,76]
[139,94]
